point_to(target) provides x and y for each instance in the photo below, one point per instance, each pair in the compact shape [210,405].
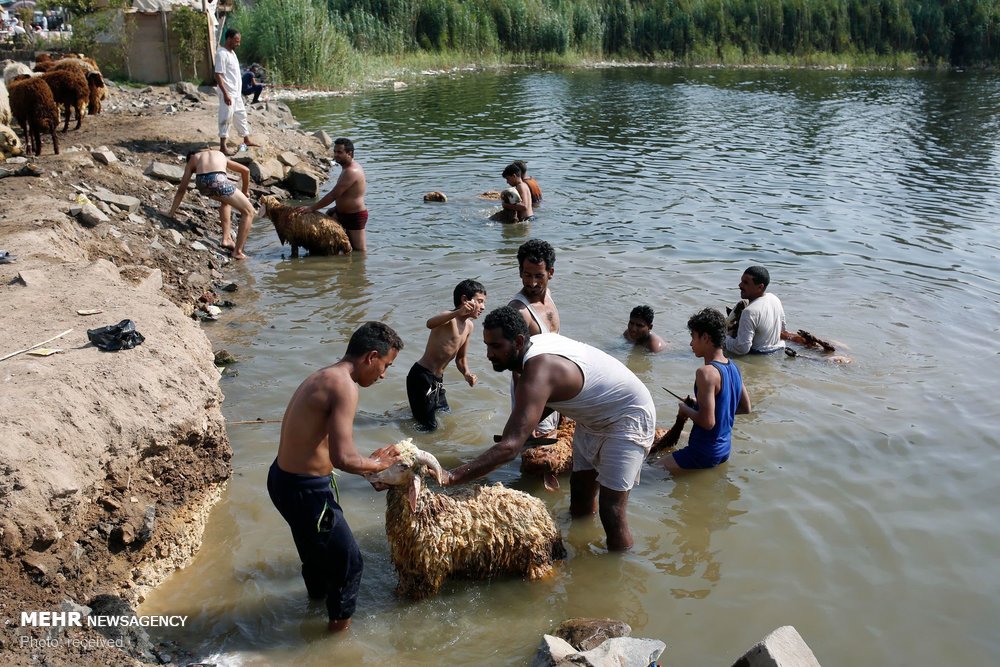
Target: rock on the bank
[782,648]
[302,180]
[588,633]
[167,172]
[130,204]
[324,138]
[616,652]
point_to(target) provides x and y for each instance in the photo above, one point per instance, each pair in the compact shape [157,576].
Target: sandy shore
[111,461]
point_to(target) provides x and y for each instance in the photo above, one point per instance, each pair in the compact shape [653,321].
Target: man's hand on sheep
[303,209]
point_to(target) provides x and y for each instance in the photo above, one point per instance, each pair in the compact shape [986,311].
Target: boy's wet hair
[644,313]
[346,143]
[511,170]
[373,336]
[508,320]
[195,151]
[759,275]
[536,251]
[468,288]
[709,321]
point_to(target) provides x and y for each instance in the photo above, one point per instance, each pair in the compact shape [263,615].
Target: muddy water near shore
[858,503]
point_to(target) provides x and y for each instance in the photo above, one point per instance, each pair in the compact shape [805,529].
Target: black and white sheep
[317,233]
[35,110]
[476,532]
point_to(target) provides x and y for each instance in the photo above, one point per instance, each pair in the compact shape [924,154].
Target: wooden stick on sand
[28,349]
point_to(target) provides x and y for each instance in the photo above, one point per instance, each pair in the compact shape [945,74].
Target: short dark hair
[373,336]
[522,165]
[537,251]
[468,288]
[644,313]
[508,320]
[511,170]
[346,143]
[230,33]
[759,275]
[709,321]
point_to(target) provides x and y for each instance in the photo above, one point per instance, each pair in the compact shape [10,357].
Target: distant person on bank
[347,196]
[317,437]
[251,82]
[229,80]
[209,168]
[640,329]
[719,395]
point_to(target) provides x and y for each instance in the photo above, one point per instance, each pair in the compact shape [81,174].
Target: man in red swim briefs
[347,196]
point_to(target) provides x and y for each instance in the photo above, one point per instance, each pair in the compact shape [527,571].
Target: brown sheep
[70,89]
[35,111]
[317,233]
[98,91]
[549,461]
[436,196]
[43,66]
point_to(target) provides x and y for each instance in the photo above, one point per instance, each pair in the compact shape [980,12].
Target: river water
[860,500]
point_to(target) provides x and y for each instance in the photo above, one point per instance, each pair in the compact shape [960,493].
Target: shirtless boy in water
[209,169]
[449,339]
[347,196]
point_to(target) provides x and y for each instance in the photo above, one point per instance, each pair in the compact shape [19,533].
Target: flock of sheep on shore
[32,99]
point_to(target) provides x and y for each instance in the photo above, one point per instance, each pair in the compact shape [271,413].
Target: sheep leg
[79,117]
[68,113]
[55,140]
[27,138]
[295,250]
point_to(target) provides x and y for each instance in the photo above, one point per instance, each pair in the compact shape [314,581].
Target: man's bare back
[209,161]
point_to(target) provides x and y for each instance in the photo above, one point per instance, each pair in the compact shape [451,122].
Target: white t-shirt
[613,400]
[760,329]
[228,65]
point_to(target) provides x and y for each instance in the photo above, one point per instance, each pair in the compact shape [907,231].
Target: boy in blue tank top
[719,397]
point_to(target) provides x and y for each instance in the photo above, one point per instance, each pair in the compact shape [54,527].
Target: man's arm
[447,316]
[222,87]
[744,336]
[340,434]
[348,177]
[707,380]
[529,400]
[181,189]
[244,173]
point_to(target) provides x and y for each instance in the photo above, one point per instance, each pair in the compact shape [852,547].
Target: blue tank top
[713,446]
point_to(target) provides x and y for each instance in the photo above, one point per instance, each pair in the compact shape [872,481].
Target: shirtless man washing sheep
[347,196]
[316,437]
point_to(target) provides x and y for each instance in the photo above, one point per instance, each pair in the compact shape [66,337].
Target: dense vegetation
[319,41]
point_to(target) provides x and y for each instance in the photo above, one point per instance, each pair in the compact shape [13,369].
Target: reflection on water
[859,500]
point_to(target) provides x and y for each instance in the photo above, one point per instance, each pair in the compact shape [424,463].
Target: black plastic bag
[114,337]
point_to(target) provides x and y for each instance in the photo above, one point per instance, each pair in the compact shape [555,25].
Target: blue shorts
[214,184]
[691,459]
[331,560]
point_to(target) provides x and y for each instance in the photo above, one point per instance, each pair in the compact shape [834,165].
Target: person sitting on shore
[719,395]
[640,329]
[251,82]
[449,339]
[209,168]
[536,191]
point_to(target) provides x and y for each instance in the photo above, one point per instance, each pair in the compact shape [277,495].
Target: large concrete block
[302,181]
[167,172]
[782,648]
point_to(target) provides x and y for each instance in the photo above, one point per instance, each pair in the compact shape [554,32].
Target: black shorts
[331,560]
[426,394]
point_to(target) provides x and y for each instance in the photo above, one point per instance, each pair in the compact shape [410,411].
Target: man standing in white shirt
[762,324]
[229,78]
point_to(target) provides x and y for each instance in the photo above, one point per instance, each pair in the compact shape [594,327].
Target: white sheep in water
[476,532]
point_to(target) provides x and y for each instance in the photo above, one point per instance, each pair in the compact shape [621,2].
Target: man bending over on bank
[316,437]
[209,169]
[719,395]
[449,339]
[347,196]
[640,329]
[613,410]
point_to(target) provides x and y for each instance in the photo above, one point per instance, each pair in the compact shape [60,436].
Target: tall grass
[327,41]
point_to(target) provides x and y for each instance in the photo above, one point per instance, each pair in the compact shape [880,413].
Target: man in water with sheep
[614,413]
[316,437]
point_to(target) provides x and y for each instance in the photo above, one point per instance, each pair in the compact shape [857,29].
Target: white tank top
[613,399]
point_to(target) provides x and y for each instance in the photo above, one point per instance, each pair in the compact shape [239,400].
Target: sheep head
[408,471]
[510,196]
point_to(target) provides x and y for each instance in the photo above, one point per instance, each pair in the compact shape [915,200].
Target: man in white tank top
[614,415]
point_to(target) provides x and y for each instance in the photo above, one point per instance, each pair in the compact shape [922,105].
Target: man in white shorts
[614,415]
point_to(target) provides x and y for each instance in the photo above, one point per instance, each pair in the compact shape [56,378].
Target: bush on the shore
[320,42]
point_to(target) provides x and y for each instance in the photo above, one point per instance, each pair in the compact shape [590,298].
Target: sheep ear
[413,492]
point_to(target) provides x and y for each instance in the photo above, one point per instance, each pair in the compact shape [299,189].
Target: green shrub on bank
[321,41]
